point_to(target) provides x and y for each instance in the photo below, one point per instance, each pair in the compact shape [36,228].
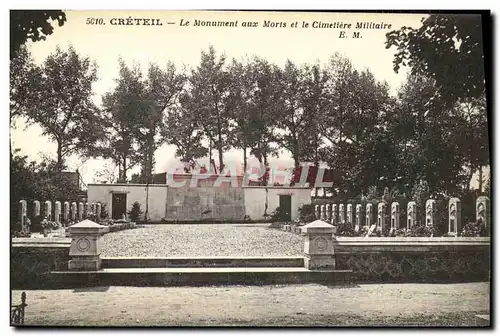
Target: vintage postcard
[250,168]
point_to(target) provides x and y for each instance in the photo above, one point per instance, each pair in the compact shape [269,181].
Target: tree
[63,105]
[358,147]
[32,25]
[121,113]
[23,76]
[182,130]
[162,90]
[292,118]
[208,97]
[448,49]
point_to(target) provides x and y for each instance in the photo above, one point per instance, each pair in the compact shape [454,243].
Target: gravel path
[291,305]
[210,240]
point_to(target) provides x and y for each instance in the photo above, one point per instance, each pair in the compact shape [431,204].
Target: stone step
[136,262]
[186,276]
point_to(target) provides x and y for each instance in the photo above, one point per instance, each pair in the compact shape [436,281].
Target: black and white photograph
[244,168]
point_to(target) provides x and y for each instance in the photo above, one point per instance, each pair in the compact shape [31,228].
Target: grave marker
[23,214]
[482,209]
[48,210]
[328,215]
[36,209]
[411,211]
[349,215]
[455,216]
[73,211]
[381,216]
[369,215]
[334,214]
[57,212]
[394,216]
[359,210]
[66,212]
[430,211]
[342,213]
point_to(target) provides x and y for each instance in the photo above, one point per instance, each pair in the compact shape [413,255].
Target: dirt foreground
[284,305]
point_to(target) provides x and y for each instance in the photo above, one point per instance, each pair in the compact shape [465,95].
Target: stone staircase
[87,268]
[199,272]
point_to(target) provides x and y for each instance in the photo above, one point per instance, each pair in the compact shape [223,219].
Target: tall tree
[209,91]
[447,48]
[121,113]
[292,118]
[162,90]
[31,25]
[63,106]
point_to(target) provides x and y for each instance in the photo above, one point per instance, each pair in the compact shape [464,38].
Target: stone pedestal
[85,249]
[318,245]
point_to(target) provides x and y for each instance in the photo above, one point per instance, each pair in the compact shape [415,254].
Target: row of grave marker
[345,214]
[69,212]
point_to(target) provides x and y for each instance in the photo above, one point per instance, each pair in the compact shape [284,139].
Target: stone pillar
[318,245]
[430,211]
[483,209]
[36,209]
[23,213]
[359,210]
[322,215]
[334,214]
[328,215]
[57,212]
[341,213]
[381,216]
[98,211]
[316,211]
[349,218]
[369,215]
[85,249]
[92,208]
[80,211]
[48,210]
[455,216]
[66,213]
[73,211]
[411,214]
[394,216]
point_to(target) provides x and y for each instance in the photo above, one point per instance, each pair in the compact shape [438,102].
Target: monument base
[92,263]
[319,262]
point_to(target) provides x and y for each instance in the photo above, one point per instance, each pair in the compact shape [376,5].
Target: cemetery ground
[407,304]
[200,240]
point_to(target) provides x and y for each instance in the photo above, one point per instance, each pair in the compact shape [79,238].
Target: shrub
[474,229]
[306,213]
[421,230]
[345,230]
[135,213]
[277,215]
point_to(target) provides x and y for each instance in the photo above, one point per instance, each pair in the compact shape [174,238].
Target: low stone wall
[32,261]
[414,259]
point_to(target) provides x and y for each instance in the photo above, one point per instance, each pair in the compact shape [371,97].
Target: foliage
[307,213]
[32,25]
[435,49]
[421,230]
[62,102]
[135,213]
[474,229]
[121,113]
[345,230]
[208,95]
[277,215]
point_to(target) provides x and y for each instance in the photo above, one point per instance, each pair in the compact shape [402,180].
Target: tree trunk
[480,178]
[244,160]
[59,157]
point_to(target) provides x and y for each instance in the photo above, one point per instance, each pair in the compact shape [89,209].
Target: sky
[182,45]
